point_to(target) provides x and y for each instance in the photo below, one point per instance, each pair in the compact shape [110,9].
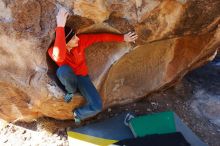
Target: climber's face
[73,42]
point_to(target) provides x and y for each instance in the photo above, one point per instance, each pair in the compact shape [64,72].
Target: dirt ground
[181,98]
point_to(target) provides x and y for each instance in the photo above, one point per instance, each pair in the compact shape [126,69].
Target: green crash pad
[162,123]
[159,123]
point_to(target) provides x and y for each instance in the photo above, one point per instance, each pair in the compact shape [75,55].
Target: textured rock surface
[174,38]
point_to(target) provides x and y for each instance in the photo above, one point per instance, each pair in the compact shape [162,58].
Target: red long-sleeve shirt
[76,57]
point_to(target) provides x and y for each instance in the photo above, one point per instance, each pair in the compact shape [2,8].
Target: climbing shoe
[68,97]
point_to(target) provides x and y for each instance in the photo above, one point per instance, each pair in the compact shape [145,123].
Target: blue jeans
[73,82]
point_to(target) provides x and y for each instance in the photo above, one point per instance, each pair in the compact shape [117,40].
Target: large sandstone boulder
[174,37]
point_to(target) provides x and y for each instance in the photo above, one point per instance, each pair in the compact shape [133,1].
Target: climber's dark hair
[69,33]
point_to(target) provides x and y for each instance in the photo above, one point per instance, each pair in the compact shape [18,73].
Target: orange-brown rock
[175,36]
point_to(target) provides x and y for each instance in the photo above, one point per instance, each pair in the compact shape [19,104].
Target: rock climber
[68,51]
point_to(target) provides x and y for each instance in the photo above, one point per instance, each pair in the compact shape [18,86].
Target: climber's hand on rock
[130,37]
[61,17]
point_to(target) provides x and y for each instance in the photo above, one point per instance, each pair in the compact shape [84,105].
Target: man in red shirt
[68,52]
